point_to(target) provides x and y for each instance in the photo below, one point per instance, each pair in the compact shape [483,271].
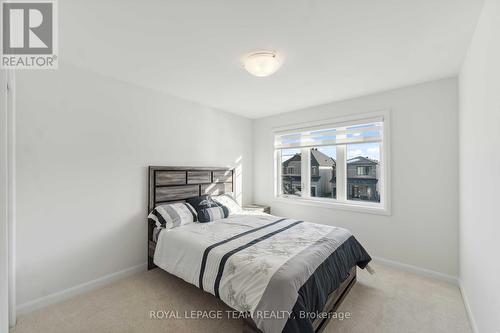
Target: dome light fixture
[262,63]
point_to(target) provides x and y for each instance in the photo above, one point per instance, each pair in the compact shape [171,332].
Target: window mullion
[277,174]
[305,173]
[341,167]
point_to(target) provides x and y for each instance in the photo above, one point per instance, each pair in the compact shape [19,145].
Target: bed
[282,274]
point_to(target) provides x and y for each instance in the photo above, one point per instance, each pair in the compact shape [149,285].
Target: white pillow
[172,215]
[228,200]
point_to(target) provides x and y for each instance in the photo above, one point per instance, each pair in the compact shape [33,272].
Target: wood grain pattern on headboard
[168,184]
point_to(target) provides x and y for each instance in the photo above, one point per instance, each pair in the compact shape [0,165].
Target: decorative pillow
[228,200]
[172,215]
[208,209]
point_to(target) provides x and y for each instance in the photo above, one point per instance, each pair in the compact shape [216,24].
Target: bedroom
[326,134]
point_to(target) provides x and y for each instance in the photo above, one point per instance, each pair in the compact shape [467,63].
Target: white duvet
[180,250]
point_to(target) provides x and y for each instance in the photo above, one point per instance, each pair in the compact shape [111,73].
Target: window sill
[369,209]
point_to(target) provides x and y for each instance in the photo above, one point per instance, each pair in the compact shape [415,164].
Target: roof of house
[317,158]
[361,160]
[295,157]
[321,159]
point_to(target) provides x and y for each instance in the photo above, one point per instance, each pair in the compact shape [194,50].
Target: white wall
[480,171]
[423,228]
[84,144]
[4,291]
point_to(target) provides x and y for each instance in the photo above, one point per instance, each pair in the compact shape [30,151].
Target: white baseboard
[79,289]
[417,270]
[468,308]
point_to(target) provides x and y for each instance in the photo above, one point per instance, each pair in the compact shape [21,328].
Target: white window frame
[341,202]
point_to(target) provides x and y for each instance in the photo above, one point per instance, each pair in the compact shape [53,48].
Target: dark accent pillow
[208,209]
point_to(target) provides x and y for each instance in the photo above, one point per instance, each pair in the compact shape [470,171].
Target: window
[339,163]
[323,172]
[290,160]
[363,170]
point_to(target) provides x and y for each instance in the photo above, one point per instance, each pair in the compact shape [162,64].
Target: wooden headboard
[169,184]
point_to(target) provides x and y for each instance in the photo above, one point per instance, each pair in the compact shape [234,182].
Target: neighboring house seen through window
[290,179]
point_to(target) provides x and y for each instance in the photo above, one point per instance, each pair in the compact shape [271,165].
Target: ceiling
[333,49]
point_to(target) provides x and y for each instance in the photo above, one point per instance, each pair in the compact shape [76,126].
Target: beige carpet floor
[389,301]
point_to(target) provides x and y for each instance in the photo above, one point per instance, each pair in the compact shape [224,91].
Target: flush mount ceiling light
[262,63]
